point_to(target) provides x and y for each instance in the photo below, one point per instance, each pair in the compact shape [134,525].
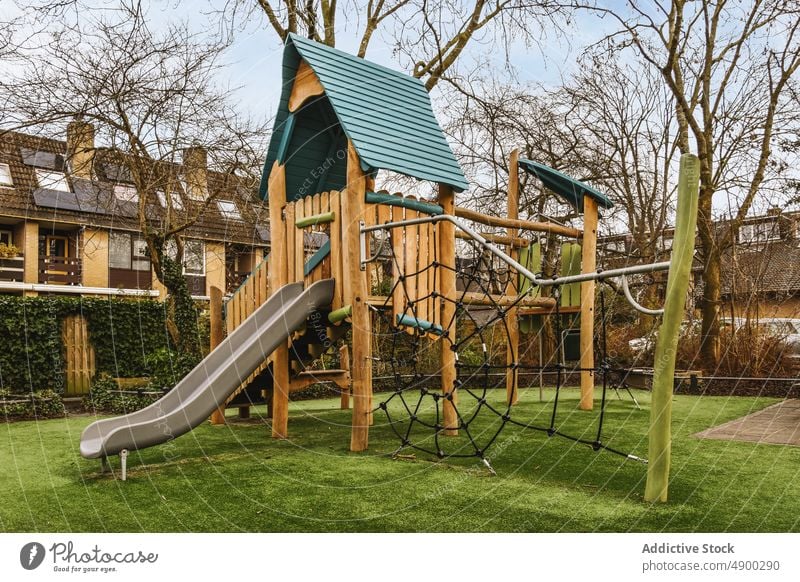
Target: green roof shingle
[386,114]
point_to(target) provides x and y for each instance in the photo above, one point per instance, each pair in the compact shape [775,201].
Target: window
[128,251]
[229,210]
[177,201]
[5,175]
[5,237]
[52,180]
[759,231]
[194,258]
[126,193]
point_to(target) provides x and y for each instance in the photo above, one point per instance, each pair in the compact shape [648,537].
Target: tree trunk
[710,342]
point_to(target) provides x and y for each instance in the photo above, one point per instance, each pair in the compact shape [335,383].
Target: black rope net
[407,349]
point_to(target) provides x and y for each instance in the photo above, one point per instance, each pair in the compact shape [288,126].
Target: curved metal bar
[496,251]
[636,305]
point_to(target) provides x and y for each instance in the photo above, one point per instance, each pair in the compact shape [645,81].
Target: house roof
[769,268]
[569,189]
[386,114]
[93,202]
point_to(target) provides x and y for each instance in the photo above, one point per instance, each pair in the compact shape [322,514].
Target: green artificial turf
[236,478]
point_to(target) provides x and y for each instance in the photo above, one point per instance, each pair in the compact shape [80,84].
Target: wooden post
[344,364]
[660,435]
[278,277]
[217,333]
[447,258]
[588,265]
[512,324]
[355,294]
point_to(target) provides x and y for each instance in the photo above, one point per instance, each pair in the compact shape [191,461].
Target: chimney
[80,148]
[195,172]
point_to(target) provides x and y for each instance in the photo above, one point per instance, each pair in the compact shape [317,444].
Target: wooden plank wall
[78,356]
[247,298]
[414,248]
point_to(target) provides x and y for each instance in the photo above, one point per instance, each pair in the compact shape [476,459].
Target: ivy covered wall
[122,331]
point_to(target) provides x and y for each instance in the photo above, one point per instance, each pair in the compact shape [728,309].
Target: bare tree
[728,66]
[430,35]
[150,96]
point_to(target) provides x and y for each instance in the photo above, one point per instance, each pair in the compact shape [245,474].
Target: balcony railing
[12,269]
[59,270]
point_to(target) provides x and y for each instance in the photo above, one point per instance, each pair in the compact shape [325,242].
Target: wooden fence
[78,356]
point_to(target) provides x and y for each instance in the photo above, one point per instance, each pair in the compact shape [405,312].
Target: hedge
[122,331]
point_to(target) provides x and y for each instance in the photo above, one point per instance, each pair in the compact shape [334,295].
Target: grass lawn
[236,478]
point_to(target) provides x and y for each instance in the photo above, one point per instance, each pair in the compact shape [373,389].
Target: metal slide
[214,379]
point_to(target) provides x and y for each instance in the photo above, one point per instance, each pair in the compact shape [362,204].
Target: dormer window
[52,180]
[759,232]
[126,193]
[177,201]
[5,175]
[229,210]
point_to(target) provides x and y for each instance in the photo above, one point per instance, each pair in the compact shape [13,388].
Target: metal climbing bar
[503,256]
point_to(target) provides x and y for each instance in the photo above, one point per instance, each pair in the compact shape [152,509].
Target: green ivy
[123,333]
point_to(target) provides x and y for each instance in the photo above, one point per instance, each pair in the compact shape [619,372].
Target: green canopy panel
[386,114]
[569,189]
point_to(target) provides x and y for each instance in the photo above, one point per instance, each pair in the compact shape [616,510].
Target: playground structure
[378,257]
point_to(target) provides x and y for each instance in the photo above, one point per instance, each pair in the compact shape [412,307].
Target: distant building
[73,220]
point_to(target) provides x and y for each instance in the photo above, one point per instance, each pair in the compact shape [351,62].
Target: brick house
[70,209]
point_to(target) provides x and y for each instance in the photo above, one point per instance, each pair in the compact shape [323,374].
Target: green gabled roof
[385,113]
[569,189]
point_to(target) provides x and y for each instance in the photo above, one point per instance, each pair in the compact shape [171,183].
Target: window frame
[10,234]
[235,214]
[133,257]
[3,183]
[127,188]
[61,180]
[175,196]
[202,256]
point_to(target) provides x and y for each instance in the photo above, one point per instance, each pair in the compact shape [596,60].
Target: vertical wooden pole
[447,258]
[217,332]
[660,435]
[355,294]
[512,351]
[278,277]
[588,265]
[344,364]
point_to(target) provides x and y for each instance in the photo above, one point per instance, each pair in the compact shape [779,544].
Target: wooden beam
[524,311]
[217,333]
[306,85]
[588,265]
[468,214]
[500,239]
[278,277]
[344,363]
[477,298]
[305,379]
[447,274]
[512,323]
[355,294]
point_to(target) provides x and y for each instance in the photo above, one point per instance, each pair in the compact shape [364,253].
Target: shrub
[105,396]
[42,404]
[167,368]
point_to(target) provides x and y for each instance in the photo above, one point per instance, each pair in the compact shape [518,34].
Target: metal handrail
[536,280]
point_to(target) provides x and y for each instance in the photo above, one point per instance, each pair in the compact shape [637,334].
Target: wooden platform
[778,424]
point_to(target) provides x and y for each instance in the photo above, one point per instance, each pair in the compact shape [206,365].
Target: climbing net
[408,346]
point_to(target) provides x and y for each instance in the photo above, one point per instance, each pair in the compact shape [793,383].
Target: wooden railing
[12,269]
[59,270]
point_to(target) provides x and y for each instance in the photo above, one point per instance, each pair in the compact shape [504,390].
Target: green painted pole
[660,435]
